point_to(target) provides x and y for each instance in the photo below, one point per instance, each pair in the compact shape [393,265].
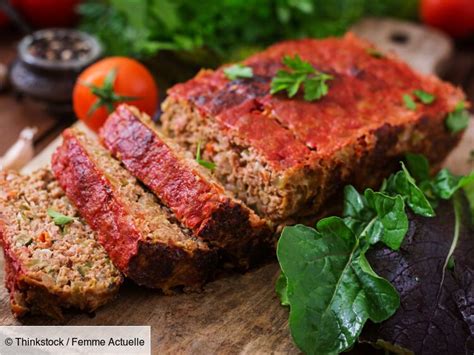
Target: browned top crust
[366,93]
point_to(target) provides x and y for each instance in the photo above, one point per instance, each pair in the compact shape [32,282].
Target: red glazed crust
[160,263]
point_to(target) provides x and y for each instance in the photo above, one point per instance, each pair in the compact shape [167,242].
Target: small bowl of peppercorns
[49,62]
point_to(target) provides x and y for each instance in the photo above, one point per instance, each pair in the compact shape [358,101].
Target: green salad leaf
[326,279]
[331,288]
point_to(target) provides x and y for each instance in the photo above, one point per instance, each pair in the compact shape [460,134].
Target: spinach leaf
[403,183]
[331,289]
[418,166]
[445,184]
[391,223]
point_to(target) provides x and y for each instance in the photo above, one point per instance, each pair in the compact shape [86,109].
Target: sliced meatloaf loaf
[52,259]
[286,157]
[142,237]
[198,201]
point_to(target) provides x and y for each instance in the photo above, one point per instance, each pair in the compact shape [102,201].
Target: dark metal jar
[48,64]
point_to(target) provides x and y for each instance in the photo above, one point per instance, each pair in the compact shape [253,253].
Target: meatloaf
[143,238]
[51,263]
[286,157]
[198,201]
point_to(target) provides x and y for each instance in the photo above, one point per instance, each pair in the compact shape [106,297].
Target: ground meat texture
[141,236]
[287,157]
[50,267]
[197,200]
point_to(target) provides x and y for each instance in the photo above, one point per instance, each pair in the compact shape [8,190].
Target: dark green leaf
[458,120]
[409,103]
[356,212]
[58,218]
[445,184]
[424,97]
[391,216]
[402,183]
[238,71]
[331,289]
[418,166]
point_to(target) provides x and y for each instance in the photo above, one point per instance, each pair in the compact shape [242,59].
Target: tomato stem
[106,96]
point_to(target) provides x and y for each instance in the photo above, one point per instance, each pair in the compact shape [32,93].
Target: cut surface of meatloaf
[50,265]
[286,157]
[141,236]
[198,201]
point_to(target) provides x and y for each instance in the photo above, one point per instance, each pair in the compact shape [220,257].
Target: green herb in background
[458,120]
[300,72]
[228,28]
[237,71]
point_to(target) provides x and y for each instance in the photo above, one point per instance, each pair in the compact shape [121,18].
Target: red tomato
[455,17]
[129,81]
[48,13]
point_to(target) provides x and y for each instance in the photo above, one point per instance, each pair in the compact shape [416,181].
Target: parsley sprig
[59,219]
[237,71]
[458,120]
[204,163]
[300,73]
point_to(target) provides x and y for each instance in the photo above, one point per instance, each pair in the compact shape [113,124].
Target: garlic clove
[21,152]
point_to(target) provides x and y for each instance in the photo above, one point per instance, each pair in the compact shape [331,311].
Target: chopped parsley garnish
[409,103]
[425,97]
[300,72]
[375,53]
[204,163]
[458,119]
[238,71]
[58,218]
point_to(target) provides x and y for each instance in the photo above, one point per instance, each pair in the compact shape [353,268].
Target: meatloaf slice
[141,236]
[198,201]
[286,157]
[51,264]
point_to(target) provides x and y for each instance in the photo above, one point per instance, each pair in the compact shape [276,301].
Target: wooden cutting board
[236,314]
